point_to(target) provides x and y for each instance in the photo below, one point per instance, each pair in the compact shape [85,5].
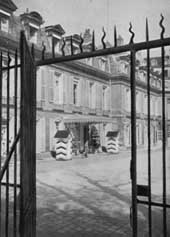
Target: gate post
[133,144]
[28,142]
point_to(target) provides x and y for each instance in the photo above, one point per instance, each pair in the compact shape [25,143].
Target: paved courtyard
[91,196]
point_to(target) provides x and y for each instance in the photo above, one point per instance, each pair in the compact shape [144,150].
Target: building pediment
[55,30]
[32,17]
[8,5]
[75,40]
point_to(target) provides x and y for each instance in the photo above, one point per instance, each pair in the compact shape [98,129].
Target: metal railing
[9,157]
[9,167]
[132,48]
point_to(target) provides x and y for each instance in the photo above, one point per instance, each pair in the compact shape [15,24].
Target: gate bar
[133,143]
[15,152]
[11,67]
[4,168]
[0,126]
[156,204]
[10,185]
[149,135]
[101,52]
[164,143]
[7,149]
[28,142]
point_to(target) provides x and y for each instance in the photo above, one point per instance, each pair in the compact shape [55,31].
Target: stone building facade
[156,65]
[87,95]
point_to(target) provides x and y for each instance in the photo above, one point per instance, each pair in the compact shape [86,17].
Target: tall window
[43,85]
[142,76]
[4,24]
[138,134]
[145,104]
[89,61]
[33,34]
[104,99]
[168,107]
[102,64]
[91,94]
[56,88]
[57,47]
[128,135]
[127,99]
[156,107]
[138,102]
[75,92]
[152,105]
[51,86]
[55,42]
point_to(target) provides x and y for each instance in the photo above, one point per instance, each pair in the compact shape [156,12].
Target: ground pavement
[91,197]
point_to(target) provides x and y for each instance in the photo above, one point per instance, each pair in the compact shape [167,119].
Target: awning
[112,134]
[79,118]
[62,134]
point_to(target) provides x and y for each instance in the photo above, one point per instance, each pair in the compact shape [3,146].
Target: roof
[34,16]
[79,118]
[55,29]
[8,4]
[75,38]
[158,60]
[112,134]
[62,134]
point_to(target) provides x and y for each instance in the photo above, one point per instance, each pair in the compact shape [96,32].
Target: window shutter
[38,85]
[168,73]
[51,88]
[82,94]
[108,99]
[43,135]
[97,96]
[43,85]
[4,25]
[87,93]
[67,89]
[70,82]
[100,96]
[94,97]
[168,107]
[53,130]
[79,93]
[56,88]
[61,89]
[64,89]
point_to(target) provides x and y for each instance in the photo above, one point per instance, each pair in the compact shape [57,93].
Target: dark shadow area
[10,215]
[77,223]
[79,201]
[156,212]
[83,220]
[105,189]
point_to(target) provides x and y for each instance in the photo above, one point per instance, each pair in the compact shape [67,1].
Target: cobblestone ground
[91,197]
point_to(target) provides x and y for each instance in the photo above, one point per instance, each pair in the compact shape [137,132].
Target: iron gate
[132,48]
[25,187]
[28,141]
[17,143]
